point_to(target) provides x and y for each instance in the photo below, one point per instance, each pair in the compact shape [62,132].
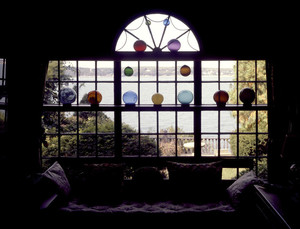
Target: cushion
[194,182]
[101,183]
[148,183]
[239,191]
[56,174]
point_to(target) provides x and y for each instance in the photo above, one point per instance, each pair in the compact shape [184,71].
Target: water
[209,119]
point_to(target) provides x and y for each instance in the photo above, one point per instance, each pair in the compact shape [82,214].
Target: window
[197,130]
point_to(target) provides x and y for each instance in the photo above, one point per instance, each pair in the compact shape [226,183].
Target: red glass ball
[139,46]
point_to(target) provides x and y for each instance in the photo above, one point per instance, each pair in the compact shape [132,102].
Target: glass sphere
[185,97]
[139,46]
[166,22]
[128,71]
[94,97]
[130,97]
[185,70]
[157,98]
[247,96]
[174,45]
[67,95]
[221,97]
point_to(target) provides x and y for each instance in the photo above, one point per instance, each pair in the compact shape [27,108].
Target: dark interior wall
[248,30]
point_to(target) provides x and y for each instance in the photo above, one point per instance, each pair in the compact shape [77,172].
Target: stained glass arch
[157,32]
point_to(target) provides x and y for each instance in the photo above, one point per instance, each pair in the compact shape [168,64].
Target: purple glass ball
[174,45]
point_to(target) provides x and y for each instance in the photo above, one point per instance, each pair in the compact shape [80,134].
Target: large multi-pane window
[198,129]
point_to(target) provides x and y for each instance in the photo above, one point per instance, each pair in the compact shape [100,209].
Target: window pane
[167,122]
[262,145]
[52,149]
[130,122]
[68,145]
[185,122]
[190,77]
[185,145]
[51,93]
[247,143]
[148,145]
[209,145]
[209,70]
[148,122]
[246,70]
[107,92]
[228,70]
[228,122]
[168,91]
[233,144]
[86,71]
[166,71]
[209,121]
[247,121]
[50,122]
[186,86]
[68,122]
[68,70]
[130,145]
[105,145]
[52,73]
[229,173]
[105,70]
[147,90]
[105,122]
[225,147]
[87,145]
[134,66]
[167,145]
[230,88]
[208,91]
[262,121]
[261,70]
[84,89]
[87,122]
[148,70]
[262,93]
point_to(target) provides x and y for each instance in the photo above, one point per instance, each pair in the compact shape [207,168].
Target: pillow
[239,191]
[101,183]
[148,183]
[56,174]
[200,182]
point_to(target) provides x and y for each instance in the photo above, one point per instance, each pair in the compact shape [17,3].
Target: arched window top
[157,33]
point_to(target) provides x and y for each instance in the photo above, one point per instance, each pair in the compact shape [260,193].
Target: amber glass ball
[221,97]
[94,97]
[185,70]
[139,46]
[157,98]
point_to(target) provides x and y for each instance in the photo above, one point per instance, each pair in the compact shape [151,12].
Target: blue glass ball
[166,22]
[185,97]
[67,95]
[130,97]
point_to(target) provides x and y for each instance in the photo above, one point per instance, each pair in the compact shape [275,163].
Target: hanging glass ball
[148,22]
[185,97]
[247,96]
[185,70]
[67,95]
[128,71]
[221,97]
[166,22]
[157,98]
[130,98]
[94,97]
[139,46]
[174,45]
